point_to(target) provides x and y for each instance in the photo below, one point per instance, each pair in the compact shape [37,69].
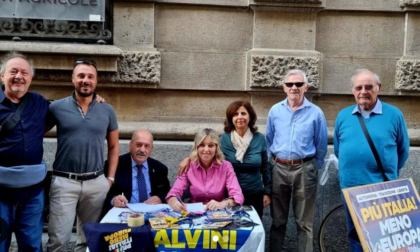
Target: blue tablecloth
[118,237]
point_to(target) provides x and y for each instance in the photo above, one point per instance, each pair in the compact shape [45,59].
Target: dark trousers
[296,183]
[23,210]
[255,200]
[354,240]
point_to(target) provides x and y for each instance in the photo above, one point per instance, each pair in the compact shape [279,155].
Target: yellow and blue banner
[171,240]
[386,215]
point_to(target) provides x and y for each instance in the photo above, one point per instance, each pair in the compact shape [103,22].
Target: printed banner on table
[171,240]
[386,215]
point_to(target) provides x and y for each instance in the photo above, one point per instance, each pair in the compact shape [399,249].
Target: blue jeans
[354,241]
[23,210]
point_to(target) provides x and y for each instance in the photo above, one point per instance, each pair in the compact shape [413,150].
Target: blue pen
[180,201]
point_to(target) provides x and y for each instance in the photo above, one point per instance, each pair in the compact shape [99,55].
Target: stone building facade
[173,66]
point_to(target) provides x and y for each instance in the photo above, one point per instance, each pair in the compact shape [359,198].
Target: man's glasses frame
[368,87]
[291,84]
[85,62]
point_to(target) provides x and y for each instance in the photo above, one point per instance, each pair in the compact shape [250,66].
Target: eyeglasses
[367,87]
[85,62]
[297,84]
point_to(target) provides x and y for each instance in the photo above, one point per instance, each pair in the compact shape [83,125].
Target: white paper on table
[112,215]
[192,207]
[143,207]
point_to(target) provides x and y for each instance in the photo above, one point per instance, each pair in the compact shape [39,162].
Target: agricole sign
[80,10]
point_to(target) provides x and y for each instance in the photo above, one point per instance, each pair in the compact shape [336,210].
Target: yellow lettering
[223,244]
[232,240]
[111,241]
[386,208]
[175,242]
[192,240]
[365,214]
[125,236]
[411,205]
[395,209]
[206,239]
[402,208]
[378,212]
[162,238]
[106,238]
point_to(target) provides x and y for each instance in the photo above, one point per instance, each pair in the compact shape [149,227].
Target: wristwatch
[112,179]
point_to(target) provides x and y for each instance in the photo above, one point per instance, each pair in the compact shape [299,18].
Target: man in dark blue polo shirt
[22,207]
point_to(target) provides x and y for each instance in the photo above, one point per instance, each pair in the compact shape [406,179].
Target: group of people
[242,167]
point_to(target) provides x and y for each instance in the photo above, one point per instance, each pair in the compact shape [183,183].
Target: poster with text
[386,215]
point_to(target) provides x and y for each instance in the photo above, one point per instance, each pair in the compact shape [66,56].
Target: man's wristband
[112,179]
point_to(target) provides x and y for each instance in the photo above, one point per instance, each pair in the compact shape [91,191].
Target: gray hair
[295,72]
[363,70]
[12,55]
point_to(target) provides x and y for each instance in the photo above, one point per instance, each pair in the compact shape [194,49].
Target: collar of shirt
[197,164]
[377,109]
[133,165]
[305,103]
[73,95]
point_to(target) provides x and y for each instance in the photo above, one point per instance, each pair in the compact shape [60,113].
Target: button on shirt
[135,191]
[211,186]
[24,145]
[297,134]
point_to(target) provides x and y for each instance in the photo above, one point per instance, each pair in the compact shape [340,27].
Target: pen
[180,201]
[123,196]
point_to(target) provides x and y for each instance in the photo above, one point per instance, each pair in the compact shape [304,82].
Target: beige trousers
[69,198]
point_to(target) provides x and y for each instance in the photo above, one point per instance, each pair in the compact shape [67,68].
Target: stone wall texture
[408,75]
[138,67]
[269,71]
[409,3]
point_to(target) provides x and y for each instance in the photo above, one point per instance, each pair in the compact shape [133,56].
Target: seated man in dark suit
[139,178]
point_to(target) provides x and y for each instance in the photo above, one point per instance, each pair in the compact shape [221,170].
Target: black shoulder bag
[8,124]
[372,146]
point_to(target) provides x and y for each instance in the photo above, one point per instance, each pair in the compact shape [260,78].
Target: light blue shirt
[376,110]
[135,192]
[297,134]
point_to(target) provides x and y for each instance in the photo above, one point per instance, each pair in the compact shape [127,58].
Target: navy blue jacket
[158,174]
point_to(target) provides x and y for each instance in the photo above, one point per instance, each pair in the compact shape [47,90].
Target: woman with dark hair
[246,149]
[208,176]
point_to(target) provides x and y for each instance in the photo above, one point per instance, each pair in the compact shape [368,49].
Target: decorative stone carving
[409,3]
[269,71]
[408,75]
[138,67]
[294,1]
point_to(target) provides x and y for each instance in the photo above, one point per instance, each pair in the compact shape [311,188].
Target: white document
[112,215]
[143,207]
[192,207]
